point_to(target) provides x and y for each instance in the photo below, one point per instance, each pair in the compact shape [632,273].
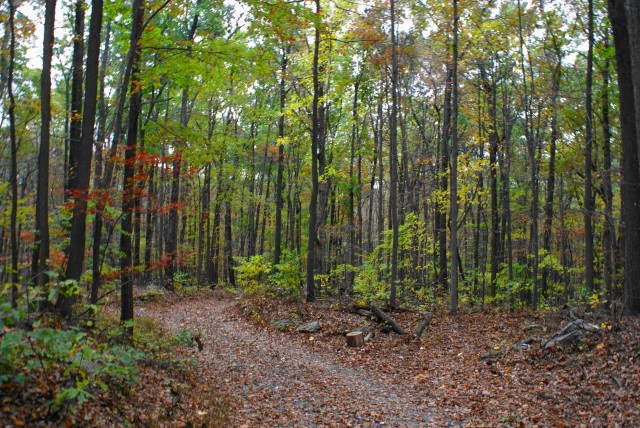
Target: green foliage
[287,275]
[252,274]
[86,363]
[258,277]
[367,283]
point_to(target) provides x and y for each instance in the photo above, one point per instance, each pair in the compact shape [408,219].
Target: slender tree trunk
[213,263]
[381,179]
[149,221]
[533,165]
[453,202]
[13,179]
[279,174]
[443,166]
[589,206]
[316,135]
[79,186]
[228,243]
[99,169]
[609,237]
[41,247]
[351,250]
[203,227]
[493,184]
[393,159]
[77,79]
[129,185]
[551,178]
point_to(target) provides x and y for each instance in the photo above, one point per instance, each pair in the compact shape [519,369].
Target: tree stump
[355,339]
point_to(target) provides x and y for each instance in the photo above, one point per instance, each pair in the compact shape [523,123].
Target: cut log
[386,319]
[355,339]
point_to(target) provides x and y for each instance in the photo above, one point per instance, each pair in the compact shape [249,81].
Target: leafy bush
[258,277]
[288,275]
[86,363]
[367,283]
[252,274]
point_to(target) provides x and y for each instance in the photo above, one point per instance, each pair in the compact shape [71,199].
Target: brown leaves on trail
[286,378]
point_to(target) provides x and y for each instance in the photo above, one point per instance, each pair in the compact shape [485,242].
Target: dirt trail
[277,382]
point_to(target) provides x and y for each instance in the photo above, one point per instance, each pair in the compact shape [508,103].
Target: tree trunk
[589,207]
[13,179]
[81,168]
[316,135]
[393,159]
[441,219]
[623,34]
[551,178]
[135,104]
[41,247]
[609,237]
[279,174]
[453,201]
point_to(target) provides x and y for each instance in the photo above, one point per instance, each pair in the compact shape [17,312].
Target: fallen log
[572,333]
[383,318]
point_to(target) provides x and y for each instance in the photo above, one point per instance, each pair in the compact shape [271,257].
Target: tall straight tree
[317,134]
[129,185]
[393,158]
[532,151]
[609,235]
[81,169]
[588,152]
[14,158]
[625,36]
[453,183]
[75,112]
[278,190]
[41,247]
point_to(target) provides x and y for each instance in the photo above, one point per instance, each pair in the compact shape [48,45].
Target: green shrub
[258,277]
[287,277]
[367,283]
[85,362]
[252,275]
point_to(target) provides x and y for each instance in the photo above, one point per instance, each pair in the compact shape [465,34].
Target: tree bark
[279,175]
[41,247]
[81,168]
[630,227]
[129,186]
[589,207]
[316,136]
[13,179]
[393,159]
[453,201]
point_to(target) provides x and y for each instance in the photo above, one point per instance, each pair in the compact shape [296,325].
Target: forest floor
[465,370]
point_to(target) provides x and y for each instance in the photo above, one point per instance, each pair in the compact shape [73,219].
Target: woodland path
[274,381]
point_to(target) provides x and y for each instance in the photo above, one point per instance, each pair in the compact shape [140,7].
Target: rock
[310,327]
[283,324]
[525,344]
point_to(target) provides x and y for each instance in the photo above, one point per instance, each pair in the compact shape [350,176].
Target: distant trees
[477,160]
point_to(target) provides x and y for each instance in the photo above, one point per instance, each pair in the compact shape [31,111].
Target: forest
[319,212]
